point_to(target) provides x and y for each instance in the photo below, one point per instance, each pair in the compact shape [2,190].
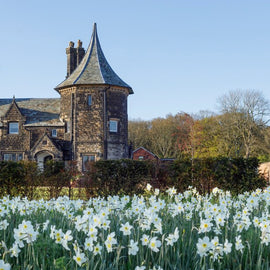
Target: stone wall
[14,142]
[117,142]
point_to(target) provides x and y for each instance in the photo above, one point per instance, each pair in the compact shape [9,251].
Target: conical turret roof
[94,68]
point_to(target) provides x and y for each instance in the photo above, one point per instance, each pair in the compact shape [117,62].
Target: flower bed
[154,231]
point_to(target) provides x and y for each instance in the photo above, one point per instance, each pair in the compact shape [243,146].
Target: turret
[94,105]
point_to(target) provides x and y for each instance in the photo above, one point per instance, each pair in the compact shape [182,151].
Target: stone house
[88,122]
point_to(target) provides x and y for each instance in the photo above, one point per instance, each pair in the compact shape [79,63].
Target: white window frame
[13,128]
[113,126]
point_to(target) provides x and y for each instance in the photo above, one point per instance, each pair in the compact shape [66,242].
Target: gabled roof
[12,105]
[38,111]
[94,68]
[39,146]
[144,149]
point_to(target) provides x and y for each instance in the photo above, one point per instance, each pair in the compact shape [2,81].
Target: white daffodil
[88,244]
[227,248]
[238,243]
[111,238]
[110,241]
[145,240]
[97,249]
[79,258]
[148,187]
[203,246]
[172,238]
[67,236]
[205,226]
[133,247]
[126,228]
[140,268]
[14,251]
[154,244]
[4,266]
[3,224]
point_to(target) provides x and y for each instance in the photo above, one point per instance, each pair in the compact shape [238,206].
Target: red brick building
[143,154]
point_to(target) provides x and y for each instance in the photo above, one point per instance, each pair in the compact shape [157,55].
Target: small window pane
[113,125]
[86,160]
[13,128]
[68,127]
[13,157]
[89,100]
[54,133]
[7,157]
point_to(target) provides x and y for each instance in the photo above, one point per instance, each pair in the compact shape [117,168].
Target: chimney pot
[79,44]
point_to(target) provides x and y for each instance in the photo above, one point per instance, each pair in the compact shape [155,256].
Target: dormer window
[13,128]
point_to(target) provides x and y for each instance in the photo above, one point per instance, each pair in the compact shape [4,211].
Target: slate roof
[94,68]
[38,111]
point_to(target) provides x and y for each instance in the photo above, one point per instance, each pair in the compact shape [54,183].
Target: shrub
[110,177]
[12,180]
[55,177]
[237,175]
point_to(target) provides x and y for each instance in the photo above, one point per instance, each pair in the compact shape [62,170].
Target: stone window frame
[11,129]
[112,128]
[12,156]
[90,158]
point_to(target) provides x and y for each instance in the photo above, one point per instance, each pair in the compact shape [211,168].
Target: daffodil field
[154,231]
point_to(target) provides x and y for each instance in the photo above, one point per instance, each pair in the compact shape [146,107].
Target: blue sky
[176,55]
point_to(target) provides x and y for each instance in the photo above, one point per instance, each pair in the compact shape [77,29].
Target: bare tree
[244,119]
[162,136]
[138,133]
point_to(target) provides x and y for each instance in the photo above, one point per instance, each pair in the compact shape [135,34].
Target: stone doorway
[42,158]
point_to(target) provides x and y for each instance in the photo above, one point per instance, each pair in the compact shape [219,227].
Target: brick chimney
[74,56]
[80,52]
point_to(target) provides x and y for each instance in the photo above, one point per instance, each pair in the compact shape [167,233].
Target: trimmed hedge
[234,174]
[112,177]
[115,177]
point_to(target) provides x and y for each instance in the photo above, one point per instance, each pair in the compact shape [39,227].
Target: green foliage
[19,178]
[55,177]
[125,176]
[115,177]
[12,181]
[236,175]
